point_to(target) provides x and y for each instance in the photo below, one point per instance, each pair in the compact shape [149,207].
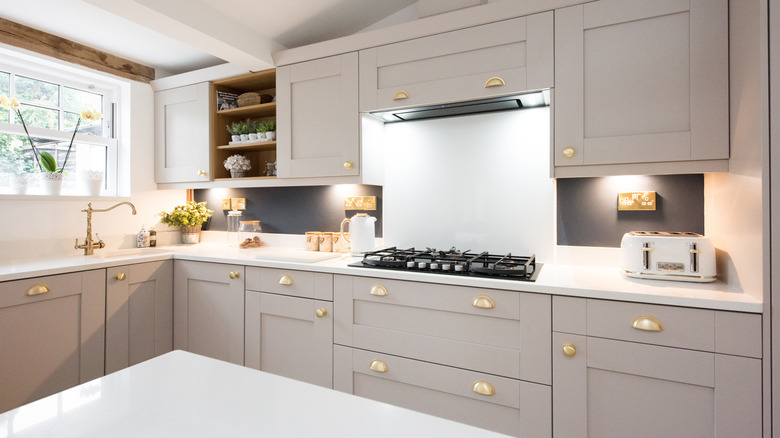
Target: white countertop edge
[565,280]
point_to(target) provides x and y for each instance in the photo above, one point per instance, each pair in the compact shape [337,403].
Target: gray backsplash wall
[587,213]
[292,210]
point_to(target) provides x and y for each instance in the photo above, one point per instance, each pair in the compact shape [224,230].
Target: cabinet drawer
[696,329]
[516,408]
[17,292]
[509,336]
[289,282]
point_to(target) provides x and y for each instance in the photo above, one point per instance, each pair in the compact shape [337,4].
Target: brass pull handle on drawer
[647,323]
[37,290]
[483,387]
[286,280]
[120,276]
[321,312]
[378,290]
[569,350]
[568,152]
[401,95]
[495,81]
[234,274]
[378,366]
[201,173]
[484,302]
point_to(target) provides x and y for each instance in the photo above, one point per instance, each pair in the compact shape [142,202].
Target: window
[51,105]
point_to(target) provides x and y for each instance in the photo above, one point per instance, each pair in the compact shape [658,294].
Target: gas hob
[453,262]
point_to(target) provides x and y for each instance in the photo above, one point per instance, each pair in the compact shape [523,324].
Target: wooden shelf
[248,178]
[259,110]
[258,146]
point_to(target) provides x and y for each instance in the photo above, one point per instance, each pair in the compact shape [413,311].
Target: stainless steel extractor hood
[503,103]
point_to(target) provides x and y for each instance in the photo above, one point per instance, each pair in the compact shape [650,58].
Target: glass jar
[233,219]
[249,230]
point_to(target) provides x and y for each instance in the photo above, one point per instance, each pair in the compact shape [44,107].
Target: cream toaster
[666,255]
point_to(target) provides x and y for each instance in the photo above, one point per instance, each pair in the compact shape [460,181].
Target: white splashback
[478,182]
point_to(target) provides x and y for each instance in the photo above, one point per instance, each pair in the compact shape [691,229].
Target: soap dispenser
[142,239]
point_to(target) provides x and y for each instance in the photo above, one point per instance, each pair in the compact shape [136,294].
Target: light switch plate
[360,203]
[635,201]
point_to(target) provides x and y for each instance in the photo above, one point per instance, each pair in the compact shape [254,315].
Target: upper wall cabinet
[483,61]
[641,82]
[181,134]
[318,133]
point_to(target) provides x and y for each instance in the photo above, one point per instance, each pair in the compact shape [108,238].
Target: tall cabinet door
[606,388]
[641,82]
[290,336]
[318,124]
[139,313]
[181,134]
[208,310]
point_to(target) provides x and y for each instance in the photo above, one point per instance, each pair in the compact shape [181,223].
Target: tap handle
[97,236]
[76,246]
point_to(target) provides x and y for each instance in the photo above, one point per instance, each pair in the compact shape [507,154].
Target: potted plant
[251,127]
[14,164]
[238,165]
[190,217]
[270,130]
[235,131]
[243,130]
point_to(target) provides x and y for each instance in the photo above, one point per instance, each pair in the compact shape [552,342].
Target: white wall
[478,182]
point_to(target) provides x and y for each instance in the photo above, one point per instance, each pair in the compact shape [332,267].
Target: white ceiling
[176,36]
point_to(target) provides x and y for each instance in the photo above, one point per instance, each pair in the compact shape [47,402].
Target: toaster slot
[646,249]
[694,249]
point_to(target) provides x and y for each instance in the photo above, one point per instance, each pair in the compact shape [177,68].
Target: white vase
[51,182]
[93,182]
[19,183]
[253,136]
[244,137]
[270,135]
[235,138]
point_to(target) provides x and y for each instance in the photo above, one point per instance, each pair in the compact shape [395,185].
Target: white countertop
[569,280]
[181,394]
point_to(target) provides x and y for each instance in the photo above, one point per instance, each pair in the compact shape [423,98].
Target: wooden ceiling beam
[24,37]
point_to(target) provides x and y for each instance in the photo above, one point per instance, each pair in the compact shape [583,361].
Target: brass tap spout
[89,244]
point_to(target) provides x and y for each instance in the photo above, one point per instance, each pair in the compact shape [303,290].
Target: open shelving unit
[259,153]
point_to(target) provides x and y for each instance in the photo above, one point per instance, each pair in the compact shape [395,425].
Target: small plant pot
[244,137]
[261,136]
[237,173]
[19,183]
[252,137]
[51,182]
[93,182]
[235,138]
[270,135]
[190,235]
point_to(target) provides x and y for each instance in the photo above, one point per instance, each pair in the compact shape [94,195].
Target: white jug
[361,232]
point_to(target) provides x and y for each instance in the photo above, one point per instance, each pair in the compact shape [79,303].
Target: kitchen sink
[133,252]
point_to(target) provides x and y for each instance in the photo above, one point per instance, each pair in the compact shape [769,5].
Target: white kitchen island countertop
[555,279]
[182,394]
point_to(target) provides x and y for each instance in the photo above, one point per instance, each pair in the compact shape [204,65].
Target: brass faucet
[89,244]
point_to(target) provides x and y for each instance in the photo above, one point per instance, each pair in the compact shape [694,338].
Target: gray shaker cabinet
[139,313]
[698,376]
[208,309]
[289,324]
[51,335]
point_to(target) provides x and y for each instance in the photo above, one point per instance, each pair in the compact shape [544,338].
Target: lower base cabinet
[208,309]
[51,335]
[509,406]
[139,313]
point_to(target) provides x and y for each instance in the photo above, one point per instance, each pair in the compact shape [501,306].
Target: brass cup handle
[401,95]
[37,290]
[201,173]
[321,312]
[378,290]
[349,165]
[483,387]
[484,302]
[568,152]
[285,280]
[378,366]
[647,323]
[234,274]
[495,81]
[120,276]
[569,350]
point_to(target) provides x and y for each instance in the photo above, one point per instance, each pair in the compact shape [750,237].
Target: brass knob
[120,276]
[286,280]
[349,165]
[234,274]
[483,387]
[647,323]
[495,82]
[378,290]
[568,152]
[201,173]
[378,366]
[569,350]
[484,302]
[37,290]
[401,95]
[321,312]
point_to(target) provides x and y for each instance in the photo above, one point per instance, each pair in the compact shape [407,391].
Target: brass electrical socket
[360,203]
[238,203]
[634,201]
[226,204]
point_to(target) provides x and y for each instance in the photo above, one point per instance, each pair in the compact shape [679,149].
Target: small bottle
[142,240]
[152,238]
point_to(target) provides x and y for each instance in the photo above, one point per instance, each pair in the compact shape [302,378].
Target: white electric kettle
[361,232]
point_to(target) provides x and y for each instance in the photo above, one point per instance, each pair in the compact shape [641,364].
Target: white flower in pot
[238,165]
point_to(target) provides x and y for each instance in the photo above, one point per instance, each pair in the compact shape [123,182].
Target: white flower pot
[270,135]
[244,137]
[253,137]
[93,182]
[237,173]
[51,182]
[235,138]
[19,183]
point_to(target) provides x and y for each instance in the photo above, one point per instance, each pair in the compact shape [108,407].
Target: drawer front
[17,292]
[658,325]
[302,284]
[505,333]
[503,405]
